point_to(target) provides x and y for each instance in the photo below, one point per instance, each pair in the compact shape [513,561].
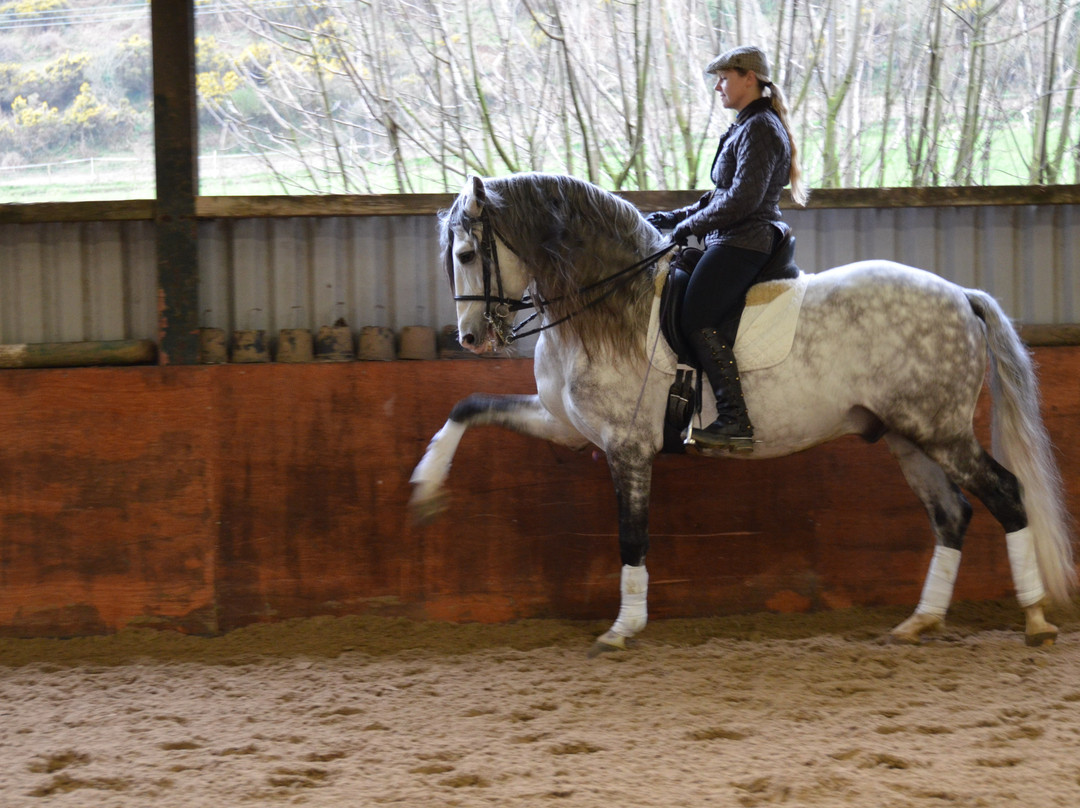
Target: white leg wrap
[938,589]
[633,609]
[434,466]
[1025,567]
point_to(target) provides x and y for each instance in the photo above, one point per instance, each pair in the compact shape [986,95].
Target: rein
[504,306]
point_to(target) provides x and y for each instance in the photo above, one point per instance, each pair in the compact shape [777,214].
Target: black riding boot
[731,429]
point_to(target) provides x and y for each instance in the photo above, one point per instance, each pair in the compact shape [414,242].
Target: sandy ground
[807,710]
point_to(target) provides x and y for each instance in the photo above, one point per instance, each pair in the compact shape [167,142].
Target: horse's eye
[466,257]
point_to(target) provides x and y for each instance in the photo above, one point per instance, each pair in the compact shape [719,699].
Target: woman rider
[741,226]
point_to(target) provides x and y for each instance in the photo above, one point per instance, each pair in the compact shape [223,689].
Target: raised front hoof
[425,506]
[607,643]
[911,630]
[1042,639]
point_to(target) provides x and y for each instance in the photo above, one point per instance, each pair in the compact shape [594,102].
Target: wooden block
[377,344]
[295,345]
[417,342]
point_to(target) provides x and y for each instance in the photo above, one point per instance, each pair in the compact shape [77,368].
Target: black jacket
[751,167]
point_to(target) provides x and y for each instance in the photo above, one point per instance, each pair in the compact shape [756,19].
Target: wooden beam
[78,354]
[269,207]
[1051,335]
[118,210]
[258,207]
[176,153]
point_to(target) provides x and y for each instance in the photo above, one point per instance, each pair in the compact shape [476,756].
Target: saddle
[684,396]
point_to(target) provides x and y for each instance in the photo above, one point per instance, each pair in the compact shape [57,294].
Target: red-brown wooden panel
[105,500]
[205,498]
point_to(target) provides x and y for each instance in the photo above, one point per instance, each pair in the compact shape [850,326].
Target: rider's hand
[662,220]
[681,234]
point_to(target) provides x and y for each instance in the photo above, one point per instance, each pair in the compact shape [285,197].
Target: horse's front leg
[632,476]
[523,414]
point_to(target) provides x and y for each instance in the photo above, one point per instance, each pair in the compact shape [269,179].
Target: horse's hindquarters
[878,345]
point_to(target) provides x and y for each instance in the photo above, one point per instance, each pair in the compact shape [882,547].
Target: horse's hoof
[902,638]
[1044,639]
[600,648]
[910,632]
[607,643]
[424,509]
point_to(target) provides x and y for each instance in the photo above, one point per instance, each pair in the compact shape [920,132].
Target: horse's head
[485,275]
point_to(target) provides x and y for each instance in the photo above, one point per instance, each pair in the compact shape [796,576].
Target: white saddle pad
[767,328]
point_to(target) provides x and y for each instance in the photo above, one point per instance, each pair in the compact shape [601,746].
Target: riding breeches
[718,287]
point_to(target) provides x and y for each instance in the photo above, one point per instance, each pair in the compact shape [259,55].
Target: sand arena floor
[761,710]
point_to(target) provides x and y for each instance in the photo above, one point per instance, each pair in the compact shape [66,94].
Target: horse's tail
[1022,445]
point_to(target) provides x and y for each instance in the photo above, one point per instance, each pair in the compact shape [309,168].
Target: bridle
[498,308]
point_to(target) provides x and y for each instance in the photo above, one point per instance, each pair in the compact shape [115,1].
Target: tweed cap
[745,57]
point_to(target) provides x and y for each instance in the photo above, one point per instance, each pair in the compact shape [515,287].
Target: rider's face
[736,89]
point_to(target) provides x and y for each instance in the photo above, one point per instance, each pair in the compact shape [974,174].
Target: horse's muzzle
[487,344]
[497,334]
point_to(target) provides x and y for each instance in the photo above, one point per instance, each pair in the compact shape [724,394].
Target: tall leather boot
[732,429]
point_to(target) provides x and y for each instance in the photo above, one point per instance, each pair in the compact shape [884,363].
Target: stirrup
[704,439]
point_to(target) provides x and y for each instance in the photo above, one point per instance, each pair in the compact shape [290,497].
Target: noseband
[498,307]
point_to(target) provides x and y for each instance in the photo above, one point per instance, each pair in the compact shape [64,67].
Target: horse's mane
[569,234]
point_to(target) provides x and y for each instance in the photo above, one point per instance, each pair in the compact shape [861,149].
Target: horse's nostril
[468,339]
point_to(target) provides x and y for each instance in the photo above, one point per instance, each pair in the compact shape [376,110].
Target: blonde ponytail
[799,191]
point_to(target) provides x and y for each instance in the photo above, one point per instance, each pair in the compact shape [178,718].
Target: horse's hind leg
[969,465]
[949,514]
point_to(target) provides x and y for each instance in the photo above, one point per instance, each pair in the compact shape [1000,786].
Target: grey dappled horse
[881,350]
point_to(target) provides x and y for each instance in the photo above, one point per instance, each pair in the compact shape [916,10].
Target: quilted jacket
[752,165]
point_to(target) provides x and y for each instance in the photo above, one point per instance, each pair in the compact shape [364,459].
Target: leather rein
[498,307]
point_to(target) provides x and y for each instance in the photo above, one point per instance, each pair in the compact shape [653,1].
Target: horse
[880,350]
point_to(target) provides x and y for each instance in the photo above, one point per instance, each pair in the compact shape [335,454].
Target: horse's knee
[472,406]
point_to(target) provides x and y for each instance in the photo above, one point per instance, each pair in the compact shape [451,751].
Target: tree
[385,95]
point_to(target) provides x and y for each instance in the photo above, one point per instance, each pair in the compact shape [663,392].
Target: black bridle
[498,308]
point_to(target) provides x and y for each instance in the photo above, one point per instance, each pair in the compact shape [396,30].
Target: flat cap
[745,57]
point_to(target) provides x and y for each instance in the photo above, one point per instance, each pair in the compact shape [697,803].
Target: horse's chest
[584,395]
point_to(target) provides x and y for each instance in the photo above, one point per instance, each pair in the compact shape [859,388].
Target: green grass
[245,175]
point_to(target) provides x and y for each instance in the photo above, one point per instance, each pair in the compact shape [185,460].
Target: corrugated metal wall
[1028,257]
[308,272]
[68,282]
[88,281]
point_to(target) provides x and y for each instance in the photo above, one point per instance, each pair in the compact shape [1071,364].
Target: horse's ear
[475,196]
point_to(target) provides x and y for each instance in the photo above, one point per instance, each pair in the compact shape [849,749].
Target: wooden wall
[204,498]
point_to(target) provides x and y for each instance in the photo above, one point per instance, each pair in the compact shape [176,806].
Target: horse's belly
[791,412]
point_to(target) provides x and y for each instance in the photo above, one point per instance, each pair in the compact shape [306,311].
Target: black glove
[662,219]
[681,234]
